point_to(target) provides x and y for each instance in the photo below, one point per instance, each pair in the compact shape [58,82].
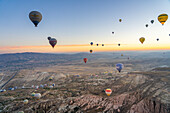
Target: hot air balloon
[118,44]
[85,60]
[41,86]
[25,101]
[91,51]
[35,17]
[152,21]
[169,34]
[15,87]
[37,95]
[33,94]
[112,32]
[142,39]
[51,78]
[121,54]
[146,25]
[128,58]
[120,20]
[52,41]
[119,67]
[97,44]
[91,43]
[53,84]
[49,38]
[108,92]
[157,39]
[36,87]
[102,44]
[162,18]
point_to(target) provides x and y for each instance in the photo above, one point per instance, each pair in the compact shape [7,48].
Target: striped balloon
[162,18]
[108,92]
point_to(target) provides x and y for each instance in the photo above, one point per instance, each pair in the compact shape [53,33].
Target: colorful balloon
[142,39]
[51,78]
[37,95]
[108,92]
[85,60]
[162,18]
[52,41]
[35,17]
[119,67]
[25,101]
[33,94]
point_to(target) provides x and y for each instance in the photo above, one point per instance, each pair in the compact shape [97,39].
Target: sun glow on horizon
[82,48]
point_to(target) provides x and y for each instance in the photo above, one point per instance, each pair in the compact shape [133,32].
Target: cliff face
[137,92]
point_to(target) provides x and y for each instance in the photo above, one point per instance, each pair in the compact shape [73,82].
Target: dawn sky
[78,22]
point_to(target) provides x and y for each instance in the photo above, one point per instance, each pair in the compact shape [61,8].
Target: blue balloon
[53,85]
[91,43]
[119,67]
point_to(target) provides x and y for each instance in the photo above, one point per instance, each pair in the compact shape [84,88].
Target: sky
[75,23]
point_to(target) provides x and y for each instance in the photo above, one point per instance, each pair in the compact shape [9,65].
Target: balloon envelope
[35,17]
[91,51]
[108,92]
[25,101]
[91,43]
[162,18]
[37,95]
[146,25]
[118,44]
[119,67]
[142,39]
[152,21]
[53,42]
[49,38]
[120,20]
[85,60]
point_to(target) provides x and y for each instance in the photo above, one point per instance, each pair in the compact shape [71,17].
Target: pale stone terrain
[134,90]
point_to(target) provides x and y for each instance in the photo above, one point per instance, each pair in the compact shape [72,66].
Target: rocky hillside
[135,92]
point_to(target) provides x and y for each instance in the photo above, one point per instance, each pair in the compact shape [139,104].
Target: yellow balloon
[35,17]
[142,39]
[120,20]
[162,18]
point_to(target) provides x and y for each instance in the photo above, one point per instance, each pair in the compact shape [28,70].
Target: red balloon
[85,60]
